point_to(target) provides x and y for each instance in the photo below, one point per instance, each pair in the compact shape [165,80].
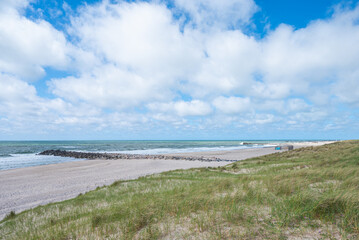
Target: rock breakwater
[114,156]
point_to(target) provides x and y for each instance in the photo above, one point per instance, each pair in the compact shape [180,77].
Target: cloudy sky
[179,69]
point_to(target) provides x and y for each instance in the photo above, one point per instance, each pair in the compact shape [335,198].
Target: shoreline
[26,188]
[17,160]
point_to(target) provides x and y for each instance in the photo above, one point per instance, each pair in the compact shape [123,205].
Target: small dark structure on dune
[284,147]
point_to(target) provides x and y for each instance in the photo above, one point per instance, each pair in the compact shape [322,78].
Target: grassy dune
[305,193]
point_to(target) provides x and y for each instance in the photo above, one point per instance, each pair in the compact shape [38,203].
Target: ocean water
[19,154]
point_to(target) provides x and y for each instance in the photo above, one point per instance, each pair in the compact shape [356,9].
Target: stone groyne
[114,156]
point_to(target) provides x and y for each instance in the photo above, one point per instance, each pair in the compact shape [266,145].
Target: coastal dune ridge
[26,188]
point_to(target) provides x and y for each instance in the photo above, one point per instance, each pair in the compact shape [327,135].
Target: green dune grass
[305,193]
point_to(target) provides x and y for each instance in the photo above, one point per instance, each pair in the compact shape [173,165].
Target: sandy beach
[26,188]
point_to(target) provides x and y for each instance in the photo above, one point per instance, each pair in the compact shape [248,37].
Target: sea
[20,154]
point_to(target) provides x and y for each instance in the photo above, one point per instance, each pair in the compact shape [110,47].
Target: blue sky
[179,69]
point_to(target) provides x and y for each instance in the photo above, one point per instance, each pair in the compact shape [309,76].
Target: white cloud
[26,46]
[12,6]
[283,107]
[232,105]
[12,89]
[348,88]
[254,119]
[299,61]
[137,61]
[296,105]
[225,13]
[312,116]
[142,41]
[141,37]
[192,108]
[24,110]
[144,56]
[19,99]
[182,108]
[232,60]
[110,87]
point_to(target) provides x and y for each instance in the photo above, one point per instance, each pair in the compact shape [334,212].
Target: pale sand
[229,154]
[309,144]
[26,188]
[248,153]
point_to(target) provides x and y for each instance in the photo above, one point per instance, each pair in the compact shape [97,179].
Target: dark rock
[111,156]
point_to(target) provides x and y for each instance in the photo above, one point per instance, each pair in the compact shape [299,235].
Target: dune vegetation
[305,193]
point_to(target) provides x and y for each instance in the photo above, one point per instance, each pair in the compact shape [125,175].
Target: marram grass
[308,193]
